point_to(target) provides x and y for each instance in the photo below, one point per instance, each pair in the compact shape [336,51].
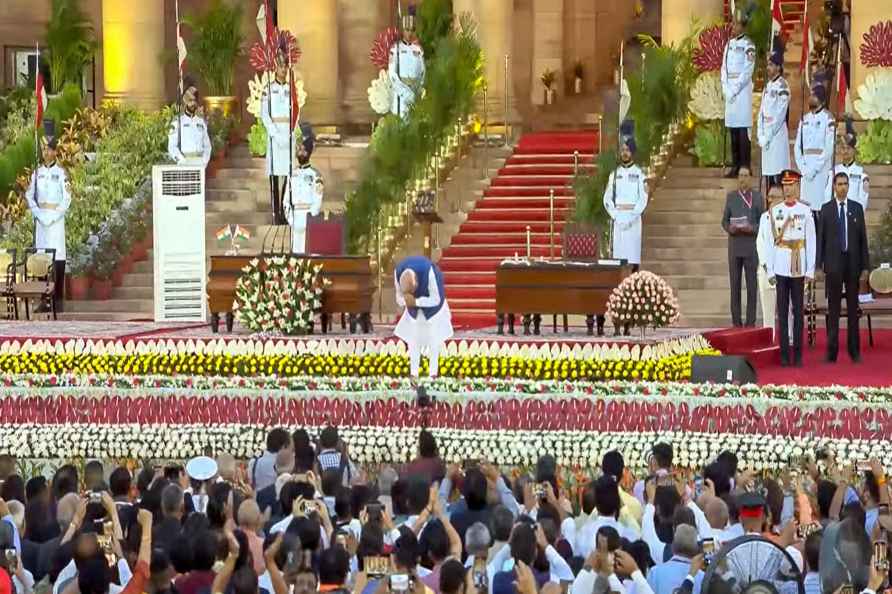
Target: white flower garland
[707,101]
[875,95]
[370,445]
[380,93]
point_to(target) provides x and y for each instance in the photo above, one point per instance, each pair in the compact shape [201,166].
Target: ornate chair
[580,244]
[38,278]
[7,282]
[326,234]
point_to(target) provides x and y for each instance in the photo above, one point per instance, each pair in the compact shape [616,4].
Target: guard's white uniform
[859,184]
[814,152]
[738,62]
[793,233]
[188,142]
[275,113]
[631,200]
[48,199]
[305,199]
[767,291]
[410,77]
[773,136]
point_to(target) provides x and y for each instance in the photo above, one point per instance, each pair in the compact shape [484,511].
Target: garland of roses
[388,445]
[280,294]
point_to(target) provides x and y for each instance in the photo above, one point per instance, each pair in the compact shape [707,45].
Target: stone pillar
[677,16]
[316,26]
[495,29]
[132,41]
[360,23]
[548,47]
[865,13]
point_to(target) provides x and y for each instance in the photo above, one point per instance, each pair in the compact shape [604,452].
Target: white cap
[201,468]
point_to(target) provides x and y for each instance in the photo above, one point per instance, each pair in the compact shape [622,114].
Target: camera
[481,580]
[94,496]
[539,491]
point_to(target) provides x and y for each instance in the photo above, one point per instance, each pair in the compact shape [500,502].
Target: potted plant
[105,261]
[215,46]
[142,240]
[548,77]
[71,42]
[578,72]
[78,278]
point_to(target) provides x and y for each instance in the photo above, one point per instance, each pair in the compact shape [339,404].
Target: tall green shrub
[216,44]
[71,42]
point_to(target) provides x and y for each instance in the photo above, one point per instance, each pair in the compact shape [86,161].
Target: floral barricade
[279,294]
[370,446]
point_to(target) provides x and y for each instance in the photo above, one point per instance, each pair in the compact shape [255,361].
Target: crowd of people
[302,518]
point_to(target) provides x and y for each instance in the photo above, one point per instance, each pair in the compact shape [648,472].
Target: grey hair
[171,499]
[685,542]
[65,510]
[477,539]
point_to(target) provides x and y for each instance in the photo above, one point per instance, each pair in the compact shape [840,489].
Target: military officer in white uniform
[738,62]
[304,196]
[275,113]
[773,136]
[791,262]
[859,181]
[48,200]
[814,149]
[188,142]
[406,67]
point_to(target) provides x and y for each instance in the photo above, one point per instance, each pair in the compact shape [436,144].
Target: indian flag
[241,233]
[224,233]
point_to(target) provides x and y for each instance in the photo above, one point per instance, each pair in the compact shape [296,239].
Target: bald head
[66,509]
[226,467]
[408,282]
[249,517]
[717,513]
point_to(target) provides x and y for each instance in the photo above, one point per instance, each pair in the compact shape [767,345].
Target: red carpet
[518,196]
[875,368]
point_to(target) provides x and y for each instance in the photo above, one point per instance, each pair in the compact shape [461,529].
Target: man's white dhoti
[419,333]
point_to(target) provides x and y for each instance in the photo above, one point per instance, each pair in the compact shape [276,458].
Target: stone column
[132,41]
[495,20]
[865,13]
[677,16]
[360,23]
[548,47]
[316,26]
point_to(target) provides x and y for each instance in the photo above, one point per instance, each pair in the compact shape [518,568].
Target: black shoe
[855,358]
[830,359]
[785,363]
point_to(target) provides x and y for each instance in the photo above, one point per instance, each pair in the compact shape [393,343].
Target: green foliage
[875,145]
[257,140]
[881,240]
[216,44]
[71,42]
[219,129]
[401,149]
[589,191]
[709,144]
[759,29]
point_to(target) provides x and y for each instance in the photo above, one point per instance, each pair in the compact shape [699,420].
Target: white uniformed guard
[275,114]
[48,200]
[773,136]
[304,196]
[791,261]
[859,181]
[426,321]
[406,67]
[814,148]
[188,142]
[625,199]
[738,63]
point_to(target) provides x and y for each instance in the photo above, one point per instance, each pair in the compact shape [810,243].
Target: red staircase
[518,196]
[791,9]
[753,343]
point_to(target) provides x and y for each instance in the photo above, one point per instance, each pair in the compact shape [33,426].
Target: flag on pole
[808,45]
[295,107]
[777,23]
[40,94]
[842,85]
[224,233]
[625,96]
[241,233]
[181,52]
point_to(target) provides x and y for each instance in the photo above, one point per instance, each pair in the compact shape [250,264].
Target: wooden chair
[38,278]
[7,282]
[326,235]
[579,244]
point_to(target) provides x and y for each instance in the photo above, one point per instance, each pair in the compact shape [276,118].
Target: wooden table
[350,291]
[555,287]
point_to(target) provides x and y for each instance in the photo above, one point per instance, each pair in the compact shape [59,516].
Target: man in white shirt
[188,142]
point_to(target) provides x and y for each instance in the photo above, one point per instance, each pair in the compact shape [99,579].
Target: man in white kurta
[791,262]
[304,196]
[625,199]
[772,133]
[406,68]
[188,142]
[426,322]
[738,62]
[48,200]
[859,181]
[275,114]
[814,149]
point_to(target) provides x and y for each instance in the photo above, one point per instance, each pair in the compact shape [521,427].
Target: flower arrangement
[708,56]
[381,93]
[707,101]
[379,55]
[257,140]
[875,96]
[876,49]
[643,300]
[281,294]
[258,85]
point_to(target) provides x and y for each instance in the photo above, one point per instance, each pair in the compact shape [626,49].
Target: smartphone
[399,582]
[883,509]
[539,491]
[11,558]
[374,511]
[847,589]
[881,556]
[377,566]
[708,548]
[95,496]
[481,580]
[863,466]
[300,477]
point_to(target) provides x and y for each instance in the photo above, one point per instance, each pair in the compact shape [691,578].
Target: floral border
[396,445]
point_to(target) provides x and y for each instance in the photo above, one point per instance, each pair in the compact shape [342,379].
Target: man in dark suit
[743,209]
[843,256]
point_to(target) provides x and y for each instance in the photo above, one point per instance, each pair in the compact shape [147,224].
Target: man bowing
[426,320]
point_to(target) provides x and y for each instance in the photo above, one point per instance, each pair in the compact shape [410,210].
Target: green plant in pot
[71,42]
[78,274]
[105,261]
[215,46]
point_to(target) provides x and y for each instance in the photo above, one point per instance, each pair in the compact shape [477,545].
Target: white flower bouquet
[643,300]
[381,93]
[707,102]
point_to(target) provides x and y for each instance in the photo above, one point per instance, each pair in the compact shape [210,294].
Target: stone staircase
[238,194]
[684,241]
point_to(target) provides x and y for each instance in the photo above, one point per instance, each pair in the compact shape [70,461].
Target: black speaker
[723,369]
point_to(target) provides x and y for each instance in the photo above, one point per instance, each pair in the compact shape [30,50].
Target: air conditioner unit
[179,241]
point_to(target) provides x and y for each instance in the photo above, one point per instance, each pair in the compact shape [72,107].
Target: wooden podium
[427,220]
